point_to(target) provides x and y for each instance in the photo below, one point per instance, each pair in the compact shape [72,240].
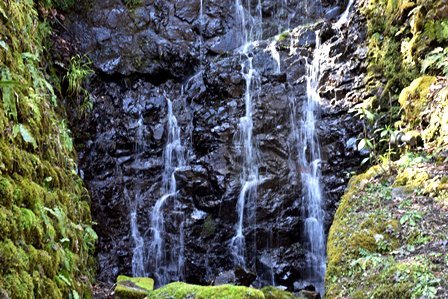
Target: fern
[62,219]
[65,139]
[79,71]
[9,103]
[436,60]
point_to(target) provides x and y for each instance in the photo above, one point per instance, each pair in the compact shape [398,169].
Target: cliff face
[389,236]
[160,50]
[45,223]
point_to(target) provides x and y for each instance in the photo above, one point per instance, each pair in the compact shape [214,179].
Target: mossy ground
[45,228]
[387,237]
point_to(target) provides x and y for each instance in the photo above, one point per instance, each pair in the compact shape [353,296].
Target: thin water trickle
[310,158]
[138,253]
[168,262]
[343,19]
[274,53]
[250,29]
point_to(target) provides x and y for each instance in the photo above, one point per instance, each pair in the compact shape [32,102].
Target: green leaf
[30,56]
[10,83]
[362,144]
[9,103]
[364,161]
[27,136]
[4,45]
[370,116]
[65,279]
[75,294]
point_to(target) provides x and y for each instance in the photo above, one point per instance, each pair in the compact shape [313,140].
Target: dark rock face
[165,49]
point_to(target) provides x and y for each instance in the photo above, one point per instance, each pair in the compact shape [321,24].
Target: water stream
[138,253]
[343,19]
[310,158]
[168,262]
[250,30]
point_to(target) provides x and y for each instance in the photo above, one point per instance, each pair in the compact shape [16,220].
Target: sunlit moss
[180,290]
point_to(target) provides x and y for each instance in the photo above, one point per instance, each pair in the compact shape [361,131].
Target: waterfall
[250,29]
[344,17]
[168,267]
[138,265]
[272,48]
[309,160]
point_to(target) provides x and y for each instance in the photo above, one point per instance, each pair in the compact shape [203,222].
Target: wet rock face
[164,49]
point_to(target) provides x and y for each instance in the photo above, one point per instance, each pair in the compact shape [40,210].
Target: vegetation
[406,42]
[46,239]
[180,290]
[129,287]
[383,241]
[386,236]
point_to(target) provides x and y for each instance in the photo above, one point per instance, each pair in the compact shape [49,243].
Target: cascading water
[138,253]
[168,266]
[343,19]
[250,31]
[309,159]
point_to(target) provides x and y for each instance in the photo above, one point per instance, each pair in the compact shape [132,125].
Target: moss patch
[133,287]
[275,293]
[180,290]
[46,239]
[384,239]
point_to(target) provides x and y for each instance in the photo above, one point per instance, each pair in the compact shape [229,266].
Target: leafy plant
[436,60]
[411,217]
[25,133]
[79,71]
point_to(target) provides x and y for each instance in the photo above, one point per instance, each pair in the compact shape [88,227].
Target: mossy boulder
[271,292]
[133,287]
[413,99]
[180,290]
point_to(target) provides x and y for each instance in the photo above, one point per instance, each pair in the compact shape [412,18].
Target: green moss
[12,257]
[275,293]
[6,192]
[18,284]
[45,225]
[133,287]
[208,229]
[284,35]
[413,99]
[180,290]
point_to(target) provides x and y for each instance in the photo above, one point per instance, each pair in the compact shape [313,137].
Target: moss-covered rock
[133,287]
[46,239]
[271,292]
[180,290]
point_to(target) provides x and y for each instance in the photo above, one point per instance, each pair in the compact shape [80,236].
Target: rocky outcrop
[165,49]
